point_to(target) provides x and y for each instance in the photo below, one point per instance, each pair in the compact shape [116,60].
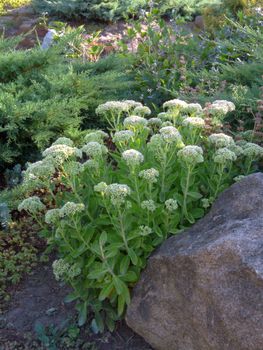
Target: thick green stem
[189,170]
[219,182]
[122,230]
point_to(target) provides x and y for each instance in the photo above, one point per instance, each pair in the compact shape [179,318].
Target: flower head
[73,168]
[192,108]
[32,205]
[96,136]
[224,155]
[94,149]
[149,205]
[135,122]
[238,150]
[100,187]
[142,111]
[132,157]
[132,104]
[145,230]
[71,208]
[117,193]
[60,152]
[52,216]
[154,122]
[112,107]
[194,122]
[191,155]
[123,136]
[91,165]
[252,150]
[221,140]
[163,116]
[149,175]
[239,178]
[221,107]
[63,141]
[175,104]
[167,123]
[170,134]
[60,269]
[171,205]
[42,169]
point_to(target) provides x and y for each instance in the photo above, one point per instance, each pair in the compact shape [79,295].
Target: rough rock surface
[203,290]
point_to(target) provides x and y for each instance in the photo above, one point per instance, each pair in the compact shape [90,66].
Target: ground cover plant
[50,93]
[224,64]
[108,203]
[10,4]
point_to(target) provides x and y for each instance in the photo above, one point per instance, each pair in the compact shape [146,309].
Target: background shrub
[44,94]
[111,10]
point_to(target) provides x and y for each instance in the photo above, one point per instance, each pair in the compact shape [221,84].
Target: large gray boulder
[203,289]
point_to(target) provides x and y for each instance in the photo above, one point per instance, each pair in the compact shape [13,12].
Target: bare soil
[38,299]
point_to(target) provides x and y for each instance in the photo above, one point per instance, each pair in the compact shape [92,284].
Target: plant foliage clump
[111,201]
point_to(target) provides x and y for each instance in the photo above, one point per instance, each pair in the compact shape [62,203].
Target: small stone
[199,22]
[51,311]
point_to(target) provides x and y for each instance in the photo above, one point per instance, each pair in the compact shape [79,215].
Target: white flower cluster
[52,216]
[42,170]
[94,149]
[220,106]
[123,136]
[142,111]
[239,178]
[194,122]
[73,168]
[100,187]
[157,147]
[113,107]
[32,205]
[135,122]
[60,269]
[191,155]
[63,270]
[163,116]
[96,136]
[63,141]
[91,165]
[145,230]
[73,271]
[154,122]
[170,134]
[238,150]
[167,123]
[132,104]
[171,205]
[150,175]
[71,208]
[224,155]
[193,108]
[117,193]
[175,104]
[221,140]
[252,150]
[148,205]
[132,157]
[60,152]
[205,203]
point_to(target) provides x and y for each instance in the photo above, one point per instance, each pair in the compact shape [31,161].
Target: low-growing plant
[50,93]
[111,202]
[19,246]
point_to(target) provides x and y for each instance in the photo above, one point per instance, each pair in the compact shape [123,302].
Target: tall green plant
[115,199]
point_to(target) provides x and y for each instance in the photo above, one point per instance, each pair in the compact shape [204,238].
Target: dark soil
[39,300]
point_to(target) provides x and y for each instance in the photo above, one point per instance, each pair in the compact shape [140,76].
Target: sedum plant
[108,204]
